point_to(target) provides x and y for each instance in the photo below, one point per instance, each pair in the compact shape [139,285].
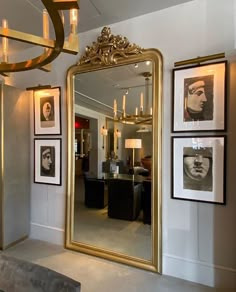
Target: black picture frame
[47,111]
[199,168]
[199,98]
[47,161]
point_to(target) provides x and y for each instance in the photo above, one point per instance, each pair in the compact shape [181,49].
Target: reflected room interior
[113,159]
[113,194]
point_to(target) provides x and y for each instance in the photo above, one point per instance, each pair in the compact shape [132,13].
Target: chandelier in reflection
[140,115]
[52,48]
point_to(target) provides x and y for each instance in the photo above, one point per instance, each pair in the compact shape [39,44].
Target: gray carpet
[21,276]
[94,227]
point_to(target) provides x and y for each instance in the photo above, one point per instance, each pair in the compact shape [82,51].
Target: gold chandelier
[52,47]
[140,116]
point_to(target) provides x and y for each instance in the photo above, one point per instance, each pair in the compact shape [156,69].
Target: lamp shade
[133,143]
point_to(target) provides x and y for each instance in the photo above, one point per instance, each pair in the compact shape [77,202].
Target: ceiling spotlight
[148,63]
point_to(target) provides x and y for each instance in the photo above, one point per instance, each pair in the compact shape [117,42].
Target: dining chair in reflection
[95,193]
[124,199]
[146,201]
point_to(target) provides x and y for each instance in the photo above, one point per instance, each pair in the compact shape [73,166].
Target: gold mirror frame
[113,51]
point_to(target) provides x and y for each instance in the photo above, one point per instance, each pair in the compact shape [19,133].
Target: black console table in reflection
[134,177]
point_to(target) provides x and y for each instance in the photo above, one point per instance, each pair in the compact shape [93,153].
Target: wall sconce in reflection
[118,135]
[104,134]
[89,140]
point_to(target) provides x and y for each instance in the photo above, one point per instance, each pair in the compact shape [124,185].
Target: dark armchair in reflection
[124,199]
[95,193]
[139,170]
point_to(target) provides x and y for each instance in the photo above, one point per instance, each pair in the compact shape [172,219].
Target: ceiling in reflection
[97,90]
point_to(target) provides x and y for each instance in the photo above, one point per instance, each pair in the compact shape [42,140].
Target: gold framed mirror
[114,99]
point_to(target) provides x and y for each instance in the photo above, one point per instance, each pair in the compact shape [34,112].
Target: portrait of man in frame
[47,161]
[47,110]
[197,168]
[198,98]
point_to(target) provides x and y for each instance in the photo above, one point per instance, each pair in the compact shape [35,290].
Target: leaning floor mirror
[114,153]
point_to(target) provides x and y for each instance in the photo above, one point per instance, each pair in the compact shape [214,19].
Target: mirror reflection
[113,144]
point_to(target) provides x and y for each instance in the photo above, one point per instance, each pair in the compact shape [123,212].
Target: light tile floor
[98,275]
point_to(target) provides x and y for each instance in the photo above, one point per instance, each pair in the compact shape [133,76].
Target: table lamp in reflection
[133,144]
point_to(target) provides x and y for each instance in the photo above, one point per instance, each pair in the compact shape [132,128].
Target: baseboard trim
[199,272]
[47,233]
[15,242]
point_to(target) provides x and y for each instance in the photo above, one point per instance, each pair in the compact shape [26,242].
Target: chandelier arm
[50,54]
[65,4]
[36,40]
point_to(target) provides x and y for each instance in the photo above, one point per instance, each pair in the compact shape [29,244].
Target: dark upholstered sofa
[21,276]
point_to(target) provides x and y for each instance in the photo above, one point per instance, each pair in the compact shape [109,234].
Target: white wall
[199,240]
[101,121]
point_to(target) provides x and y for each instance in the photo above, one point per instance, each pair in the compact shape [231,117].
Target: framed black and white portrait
[47,111]
[47,161]
[199,94]
[199,168]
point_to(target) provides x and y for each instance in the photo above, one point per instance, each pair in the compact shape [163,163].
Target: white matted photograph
[47,161]
[198,165]
[47,111]
[199,94]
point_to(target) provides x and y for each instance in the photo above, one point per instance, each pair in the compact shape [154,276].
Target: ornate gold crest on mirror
[114,153]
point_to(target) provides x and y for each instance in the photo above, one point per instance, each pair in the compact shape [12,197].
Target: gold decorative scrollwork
[108,48]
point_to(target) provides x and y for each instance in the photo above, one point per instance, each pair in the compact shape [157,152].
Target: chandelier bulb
[141,102]
[5,43]
[73,20]
[45,24]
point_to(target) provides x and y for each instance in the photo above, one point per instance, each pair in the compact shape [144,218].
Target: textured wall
[16,165]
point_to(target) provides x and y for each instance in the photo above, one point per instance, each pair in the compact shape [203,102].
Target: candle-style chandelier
[53,48]
[140,116]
